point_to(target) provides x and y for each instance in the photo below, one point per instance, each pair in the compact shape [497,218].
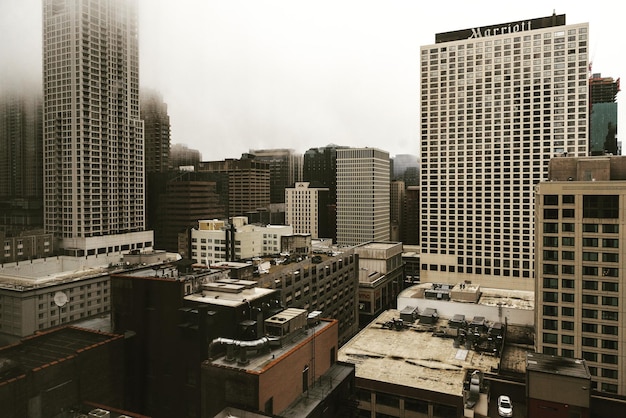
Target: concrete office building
[579,267]
[305,209]
[363,177]
[285,170]
[92,132]
[248,183]
[216,241]
[497,102]
[381,278]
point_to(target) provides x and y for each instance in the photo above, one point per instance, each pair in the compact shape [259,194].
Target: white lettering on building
[500,30]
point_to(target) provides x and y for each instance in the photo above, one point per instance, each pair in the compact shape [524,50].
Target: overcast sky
[248,74]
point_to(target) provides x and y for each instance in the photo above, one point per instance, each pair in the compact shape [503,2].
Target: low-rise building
[291,372]
[381,278]
[215,241]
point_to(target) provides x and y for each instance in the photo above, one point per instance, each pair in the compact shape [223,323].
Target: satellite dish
[60,298]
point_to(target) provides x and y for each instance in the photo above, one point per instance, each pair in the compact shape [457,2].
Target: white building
[497,102]
[93,134]
[363,177]
[302,208]
[217,241]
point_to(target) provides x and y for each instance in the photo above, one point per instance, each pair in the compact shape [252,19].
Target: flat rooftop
[42,349]
[264,359]
[410,358]
[229,299]
[564,366]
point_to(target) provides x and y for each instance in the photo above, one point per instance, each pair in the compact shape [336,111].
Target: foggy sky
[252,74]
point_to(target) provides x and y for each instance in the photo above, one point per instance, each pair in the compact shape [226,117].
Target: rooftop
[43,349]
[266,358]
[411,358]
[227,297]
[563,366]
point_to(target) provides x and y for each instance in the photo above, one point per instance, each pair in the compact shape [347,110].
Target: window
[550,297]
[568,213]
[590,227]
[590,313]
[610,257]
[567,283]
[610,287]
[551,228]
[589,342]
[567,297]
[609,358]
[610,228]
[549,338]
[610,301]
[609,329]
[551,214]
[590,242]
[567,269]
[551,200]
[551,241]
[589,256]
[567,255]
[550,283]
[609,344]
[551,324]
[567,339]
[567,227]
[567,325]
[610,316]
[587,327]
[565,311]
[549,310]
[590,285]
[568,199]
[610,243]
[591,299]
[601,206]
[566,241]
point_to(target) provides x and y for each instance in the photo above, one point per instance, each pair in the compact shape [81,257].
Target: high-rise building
[248,183]
[363,180]
[406,168]
[183,156]
[285,170]
[92,130]
[305,209]
[579,264]
[156,131]
[497,102]
[603,116]
[410,232]
[21,168]
[20,146]
[396,205]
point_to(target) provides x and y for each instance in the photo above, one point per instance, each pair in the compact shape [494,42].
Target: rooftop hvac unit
[99,413]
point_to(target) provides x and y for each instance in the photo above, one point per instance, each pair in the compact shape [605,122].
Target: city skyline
[287,75]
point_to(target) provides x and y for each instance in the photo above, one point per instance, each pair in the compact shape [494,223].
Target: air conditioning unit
[99,413]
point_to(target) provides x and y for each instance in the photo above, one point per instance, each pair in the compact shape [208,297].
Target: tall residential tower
[497,103]
[92,131]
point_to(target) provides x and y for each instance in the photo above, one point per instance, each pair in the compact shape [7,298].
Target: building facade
[156,131]
[603,115]
[381,278]
[216,241]
[248,183]
[497,102]
[305,209]
[285,170]
[363,177]
[92,131]
[580,261]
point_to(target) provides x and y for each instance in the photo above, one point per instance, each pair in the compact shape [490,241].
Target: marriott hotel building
[497,102]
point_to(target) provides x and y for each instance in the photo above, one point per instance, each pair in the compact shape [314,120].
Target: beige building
[381,278]
[497,102]
[363,176]
[216,241]
[94,189]
[580,259]
[303,208]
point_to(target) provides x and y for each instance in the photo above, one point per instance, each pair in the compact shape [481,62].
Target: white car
[505,407]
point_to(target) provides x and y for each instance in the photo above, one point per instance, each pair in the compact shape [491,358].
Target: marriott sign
[501,29]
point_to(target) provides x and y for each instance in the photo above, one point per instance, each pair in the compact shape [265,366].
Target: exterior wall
[250,241]
[283,380]
[26,311]
[26,245]
[505,119]
[100,192]
[363,177]
[302,209]
[579,287]
[447,309]
[330,286]
[379,397]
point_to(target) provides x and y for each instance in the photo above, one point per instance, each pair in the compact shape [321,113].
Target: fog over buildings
[240,75]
